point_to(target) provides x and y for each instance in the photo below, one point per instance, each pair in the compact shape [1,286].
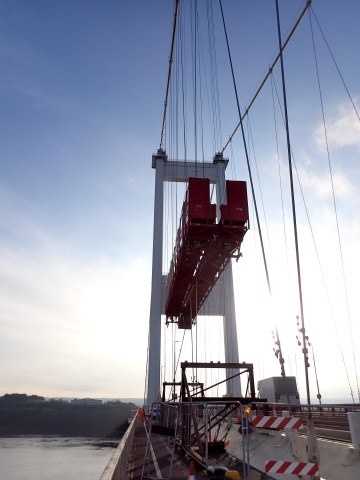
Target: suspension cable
[179,355]
[181,41]
[279,170]
[316,251]
[251,142]
[293,209]
[215,99]
[195,40]
[246,150]
[200,56]
[335,207]
[282,48]
[336,66]
[176,10]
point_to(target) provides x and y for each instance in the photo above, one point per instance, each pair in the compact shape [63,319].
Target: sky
[82,87]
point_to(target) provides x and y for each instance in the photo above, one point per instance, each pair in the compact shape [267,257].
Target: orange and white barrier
[191,475]
[263,421]
[141,414]
[292,468]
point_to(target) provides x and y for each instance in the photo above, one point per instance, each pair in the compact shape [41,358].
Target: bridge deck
[152,460]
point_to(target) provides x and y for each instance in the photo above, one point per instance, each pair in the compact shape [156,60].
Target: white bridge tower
[180,171]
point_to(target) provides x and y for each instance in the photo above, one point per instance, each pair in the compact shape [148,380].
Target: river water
[53,458]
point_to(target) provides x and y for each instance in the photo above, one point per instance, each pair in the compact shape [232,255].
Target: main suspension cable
[214,82]
[293,209]
[176,10]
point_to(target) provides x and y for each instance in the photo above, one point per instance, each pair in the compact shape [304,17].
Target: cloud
[343,129]
[320,184]
[71,322]
[65,322]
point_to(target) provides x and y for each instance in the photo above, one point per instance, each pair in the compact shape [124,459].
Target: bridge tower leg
[233,386]
[177,171]
[154,350]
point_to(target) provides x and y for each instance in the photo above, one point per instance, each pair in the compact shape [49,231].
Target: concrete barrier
[354,424]
[116,469]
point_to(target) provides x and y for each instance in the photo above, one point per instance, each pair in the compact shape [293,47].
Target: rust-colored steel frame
[193,432]
[243,368]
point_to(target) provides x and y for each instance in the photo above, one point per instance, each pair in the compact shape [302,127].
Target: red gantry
[204,247]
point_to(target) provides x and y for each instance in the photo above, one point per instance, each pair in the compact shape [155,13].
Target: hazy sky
[82,87]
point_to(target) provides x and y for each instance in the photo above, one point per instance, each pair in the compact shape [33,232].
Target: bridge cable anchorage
[336,217]
[278,351]
[307,357]
[246,151]
[318,396]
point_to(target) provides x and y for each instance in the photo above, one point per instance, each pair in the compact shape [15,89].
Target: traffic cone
[191,475]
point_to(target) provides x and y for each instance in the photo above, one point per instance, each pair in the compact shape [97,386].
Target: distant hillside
[137,401]
[22,414]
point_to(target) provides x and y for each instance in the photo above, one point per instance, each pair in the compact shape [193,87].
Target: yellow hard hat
[233,475]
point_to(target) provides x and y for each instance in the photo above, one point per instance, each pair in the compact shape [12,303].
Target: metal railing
[117,467]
